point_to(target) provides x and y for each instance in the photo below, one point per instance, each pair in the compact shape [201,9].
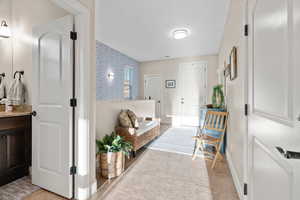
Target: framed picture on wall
[233,63]
[170,84]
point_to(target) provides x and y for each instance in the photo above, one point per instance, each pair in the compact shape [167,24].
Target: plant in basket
[112,150]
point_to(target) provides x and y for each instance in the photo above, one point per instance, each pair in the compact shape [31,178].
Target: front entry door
[192,92]
[52,91]
[274,99]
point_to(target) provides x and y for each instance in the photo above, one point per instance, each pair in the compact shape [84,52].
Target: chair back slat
[216,121]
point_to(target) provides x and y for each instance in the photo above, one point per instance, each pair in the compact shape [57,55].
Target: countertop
[14,114]
[18,111]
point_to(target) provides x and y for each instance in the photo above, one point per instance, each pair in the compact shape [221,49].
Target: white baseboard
[236,180]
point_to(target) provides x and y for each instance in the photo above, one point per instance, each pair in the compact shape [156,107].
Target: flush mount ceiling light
[4,30]
[180,33]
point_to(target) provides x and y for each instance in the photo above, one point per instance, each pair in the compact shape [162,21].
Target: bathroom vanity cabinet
[15,146]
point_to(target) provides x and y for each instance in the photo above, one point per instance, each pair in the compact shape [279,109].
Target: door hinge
[73,102]
[73,170]
[245,189]
[246,109]
[246,30]
[73,35]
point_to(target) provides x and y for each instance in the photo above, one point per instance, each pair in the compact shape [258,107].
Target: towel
[16,93]
[2,88]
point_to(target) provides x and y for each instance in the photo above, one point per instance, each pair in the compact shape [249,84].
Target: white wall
[26,15]
[108,111]
[169,70]
[235,90]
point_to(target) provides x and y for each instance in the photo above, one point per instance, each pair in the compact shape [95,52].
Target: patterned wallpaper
[109,60]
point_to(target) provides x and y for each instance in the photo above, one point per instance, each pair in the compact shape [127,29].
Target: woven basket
[112,164]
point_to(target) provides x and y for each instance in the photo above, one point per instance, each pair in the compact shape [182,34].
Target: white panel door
[52,90]
[192,88]
[153,91]
[274,96]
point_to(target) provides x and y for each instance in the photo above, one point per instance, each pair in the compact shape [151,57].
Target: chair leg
[215,160]
[218,154]
[196,149]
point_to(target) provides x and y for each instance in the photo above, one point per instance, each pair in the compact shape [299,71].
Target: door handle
[33,113]
[288,154]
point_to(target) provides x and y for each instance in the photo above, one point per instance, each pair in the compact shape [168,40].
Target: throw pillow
[133,118]
[124,119]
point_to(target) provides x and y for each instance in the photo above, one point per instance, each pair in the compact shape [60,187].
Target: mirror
[6,47]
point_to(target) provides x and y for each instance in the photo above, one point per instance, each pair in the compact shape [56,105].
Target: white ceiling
[141,28]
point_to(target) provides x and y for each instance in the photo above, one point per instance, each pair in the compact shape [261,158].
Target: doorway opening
[55,115]
[152,91]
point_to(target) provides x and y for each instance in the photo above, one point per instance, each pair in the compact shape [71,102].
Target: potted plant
[218,97]
[112,150]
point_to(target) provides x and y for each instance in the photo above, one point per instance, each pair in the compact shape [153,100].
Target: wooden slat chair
[214,121]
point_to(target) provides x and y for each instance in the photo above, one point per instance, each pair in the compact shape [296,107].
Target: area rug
[18,189]
[159,175]
[176,140]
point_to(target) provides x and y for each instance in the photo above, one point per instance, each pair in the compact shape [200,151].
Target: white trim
[246,101]
[85,180]
[235,177]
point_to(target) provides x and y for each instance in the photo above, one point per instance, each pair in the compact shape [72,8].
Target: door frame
[246,74]
[85,178]
[161,90]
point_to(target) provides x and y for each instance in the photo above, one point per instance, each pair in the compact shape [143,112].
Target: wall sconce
[4,30]
[111,75]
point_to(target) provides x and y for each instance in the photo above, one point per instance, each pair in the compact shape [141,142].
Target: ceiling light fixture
[180,33]
[4,30]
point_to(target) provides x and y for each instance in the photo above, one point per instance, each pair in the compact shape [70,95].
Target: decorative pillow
[124,119]
[133,118]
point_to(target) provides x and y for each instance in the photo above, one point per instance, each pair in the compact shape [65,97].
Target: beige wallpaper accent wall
[235,89]
[169,70]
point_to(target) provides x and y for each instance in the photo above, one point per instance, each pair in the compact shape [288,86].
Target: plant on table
[218,97]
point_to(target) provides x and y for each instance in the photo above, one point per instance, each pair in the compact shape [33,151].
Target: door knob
[33,113]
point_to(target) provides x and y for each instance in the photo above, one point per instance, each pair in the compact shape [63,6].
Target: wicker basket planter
[112,164]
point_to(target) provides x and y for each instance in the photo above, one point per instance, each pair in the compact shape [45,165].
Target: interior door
[52,91]
[193,94]
[274,96]
[152,91]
